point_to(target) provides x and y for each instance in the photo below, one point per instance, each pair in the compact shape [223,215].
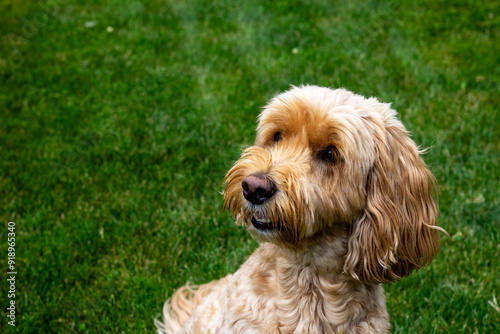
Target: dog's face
[307,170]
[324,159]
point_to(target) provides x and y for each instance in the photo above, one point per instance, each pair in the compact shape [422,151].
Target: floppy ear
[397,231]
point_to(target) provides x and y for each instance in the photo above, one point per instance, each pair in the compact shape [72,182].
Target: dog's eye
[277,136]
[329,154]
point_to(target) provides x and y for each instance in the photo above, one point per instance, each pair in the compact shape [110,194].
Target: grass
[119,120]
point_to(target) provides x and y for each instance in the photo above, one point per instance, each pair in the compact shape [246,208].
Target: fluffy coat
[337,195]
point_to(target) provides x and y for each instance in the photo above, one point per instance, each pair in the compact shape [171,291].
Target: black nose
[257,189]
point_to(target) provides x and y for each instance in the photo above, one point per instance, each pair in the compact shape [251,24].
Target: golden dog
[340,200]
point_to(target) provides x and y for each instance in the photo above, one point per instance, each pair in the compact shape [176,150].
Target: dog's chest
[306,303]
[272,296]
[290,301]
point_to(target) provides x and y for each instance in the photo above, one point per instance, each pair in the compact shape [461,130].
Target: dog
[340,201]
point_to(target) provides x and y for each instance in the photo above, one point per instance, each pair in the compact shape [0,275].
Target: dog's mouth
[262,222]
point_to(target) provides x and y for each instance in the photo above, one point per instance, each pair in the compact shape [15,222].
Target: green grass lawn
[119,119]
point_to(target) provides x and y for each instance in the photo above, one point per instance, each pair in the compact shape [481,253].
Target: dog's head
[327,158]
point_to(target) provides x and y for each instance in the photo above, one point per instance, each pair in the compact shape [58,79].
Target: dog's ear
[397,231]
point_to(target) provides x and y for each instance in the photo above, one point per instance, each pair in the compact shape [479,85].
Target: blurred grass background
[119,119]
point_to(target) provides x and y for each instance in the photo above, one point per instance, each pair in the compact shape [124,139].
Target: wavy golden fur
[340,200]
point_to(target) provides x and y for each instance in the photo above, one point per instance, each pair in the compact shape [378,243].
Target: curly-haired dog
[340,200]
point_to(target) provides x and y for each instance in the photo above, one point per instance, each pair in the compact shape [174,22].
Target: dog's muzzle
[257,190]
